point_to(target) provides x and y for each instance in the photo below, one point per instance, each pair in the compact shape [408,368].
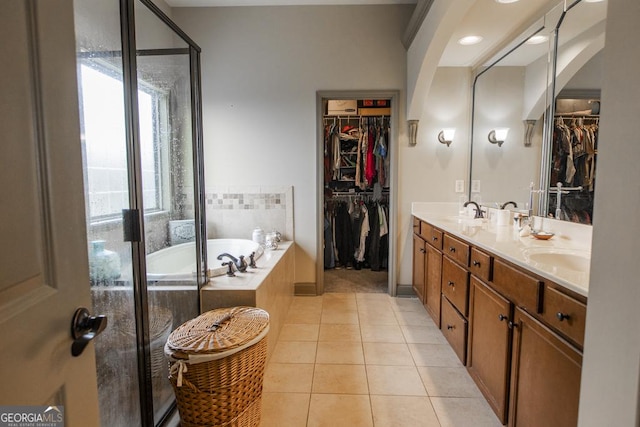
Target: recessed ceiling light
[537,39]
[506,1]
[469,40]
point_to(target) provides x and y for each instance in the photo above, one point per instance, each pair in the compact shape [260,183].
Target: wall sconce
[446,136]
[413,131]
[498,136]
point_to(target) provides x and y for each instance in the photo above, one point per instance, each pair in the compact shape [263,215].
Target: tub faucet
[240,263]
[504,205]
[252,260]
[478,210]
[229,265]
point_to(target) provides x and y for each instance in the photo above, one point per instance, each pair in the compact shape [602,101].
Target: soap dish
[542,235]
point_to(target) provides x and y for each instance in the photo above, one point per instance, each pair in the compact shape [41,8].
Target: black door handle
[84,328]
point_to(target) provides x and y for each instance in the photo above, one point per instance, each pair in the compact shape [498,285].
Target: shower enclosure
[139,92]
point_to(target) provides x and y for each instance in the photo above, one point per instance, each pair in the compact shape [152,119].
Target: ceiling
[498,23]
[213,3]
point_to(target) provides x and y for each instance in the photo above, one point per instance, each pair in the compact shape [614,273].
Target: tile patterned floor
[366,359]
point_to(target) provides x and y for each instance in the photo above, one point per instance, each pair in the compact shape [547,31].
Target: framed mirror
[509,107]
[573,123]
[552,70]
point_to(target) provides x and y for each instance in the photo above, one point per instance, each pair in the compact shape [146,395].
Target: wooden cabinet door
[490,345]
[419,267]
[545,376]
[433,276]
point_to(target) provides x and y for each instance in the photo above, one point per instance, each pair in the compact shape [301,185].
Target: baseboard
[405,291]
[305,289]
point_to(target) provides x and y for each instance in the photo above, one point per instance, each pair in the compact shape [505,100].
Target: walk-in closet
[573,159]
[357,181]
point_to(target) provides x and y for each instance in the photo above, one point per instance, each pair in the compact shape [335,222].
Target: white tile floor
[366,359]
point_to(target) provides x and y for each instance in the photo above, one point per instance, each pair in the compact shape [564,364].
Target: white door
[43,248]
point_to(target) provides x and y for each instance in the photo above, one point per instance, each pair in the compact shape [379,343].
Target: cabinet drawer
[480,264]
[519,287]
[416,225]
[456,249]
[431,235]
[455,284]
[454,329]
[565,314]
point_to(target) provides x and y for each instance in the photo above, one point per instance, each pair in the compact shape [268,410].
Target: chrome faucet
[505,204]
[478,210]
[240,262]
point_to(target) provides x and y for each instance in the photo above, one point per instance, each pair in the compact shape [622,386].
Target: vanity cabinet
[427,266]
[419,259]
[433,288]
[520,335]
[455,294]
[489,357]
[545,376]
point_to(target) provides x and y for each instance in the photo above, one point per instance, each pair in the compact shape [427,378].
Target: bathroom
[260,81]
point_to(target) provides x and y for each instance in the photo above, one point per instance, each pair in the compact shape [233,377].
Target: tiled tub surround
[270,286]
[234,211]
[506,242]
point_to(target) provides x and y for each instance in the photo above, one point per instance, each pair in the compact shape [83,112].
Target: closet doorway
[357,179]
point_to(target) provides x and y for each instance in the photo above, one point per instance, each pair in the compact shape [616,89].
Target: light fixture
[537,39]
[593,1]
[413,131]
[446,136]
[506,1]
[498,136]
[470,40]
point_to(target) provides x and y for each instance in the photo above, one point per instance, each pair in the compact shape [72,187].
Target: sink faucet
[505,204]
[240,262]
[478,210]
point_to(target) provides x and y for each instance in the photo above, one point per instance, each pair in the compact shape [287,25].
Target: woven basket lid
[217,331]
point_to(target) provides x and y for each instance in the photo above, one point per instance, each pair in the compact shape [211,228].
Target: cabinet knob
[476,263]
[422,250]
[450,327]
[502,317]
[451,283]
[434,238]
[512,325]
[561,316]
[452,249]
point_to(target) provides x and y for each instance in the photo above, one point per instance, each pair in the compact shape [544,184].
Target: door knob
[84,328]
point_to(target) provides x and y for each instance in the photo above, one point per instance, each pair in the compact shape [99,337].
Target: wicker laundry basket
[216,367]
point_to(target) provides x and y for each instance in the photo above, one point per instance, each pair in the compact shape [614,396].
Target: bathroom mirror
[509,92]
[573,123]
[522,88]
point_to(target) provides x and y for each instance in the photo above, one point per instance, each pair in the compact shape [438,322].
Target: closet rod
[577,115]
[355,117]
[360,193]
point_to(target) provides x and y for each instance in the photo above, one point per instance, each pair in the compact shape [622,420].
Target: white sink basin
[566,259]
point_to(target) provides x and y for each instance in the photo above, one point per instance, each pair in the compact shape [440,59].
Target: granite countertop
[564,259]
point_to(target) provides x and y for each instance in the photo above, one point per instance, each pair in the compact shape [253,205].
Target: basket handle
[219,322]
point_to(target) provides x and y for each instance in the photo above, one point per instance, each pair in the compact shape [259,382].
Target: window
[104,137]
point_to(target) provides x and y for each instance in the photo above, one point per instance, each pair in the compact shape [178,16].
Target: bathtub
[177,263]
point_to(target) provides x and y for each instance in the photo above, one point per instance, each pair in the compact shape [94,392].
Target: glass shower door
[107,193]
[168,182]
[141,139]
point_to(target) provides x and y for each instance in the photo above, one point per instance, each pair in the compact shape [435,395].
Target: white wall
[428,170]
[261,68]
[611,369]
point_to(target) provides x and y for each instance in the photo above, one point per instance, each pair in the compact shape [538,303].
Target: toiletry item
[526,231]
[104,265]
[258,236]
[504,215]
[271,241]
